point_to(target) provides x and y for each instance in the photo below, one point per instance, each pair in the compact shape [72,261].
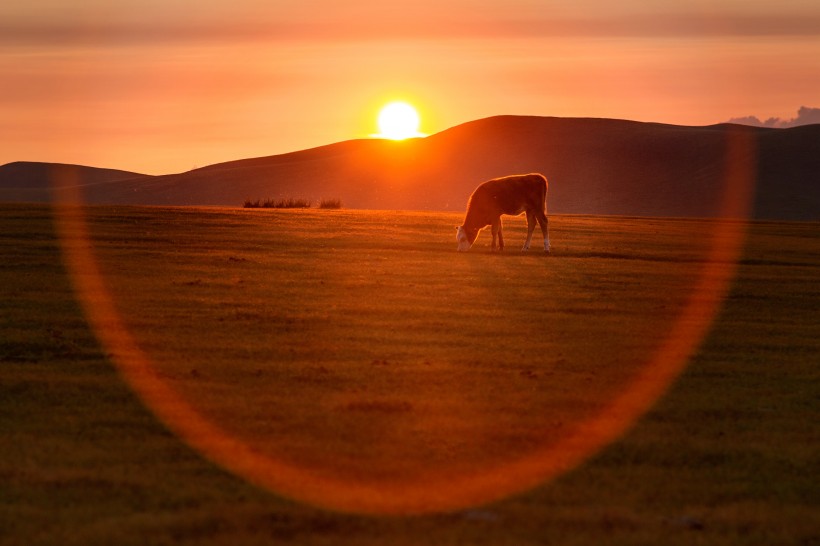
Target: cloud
[125,29]
[805,116]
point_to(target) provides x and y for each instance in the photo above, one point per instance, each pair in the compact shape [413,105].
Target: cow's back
[511,194]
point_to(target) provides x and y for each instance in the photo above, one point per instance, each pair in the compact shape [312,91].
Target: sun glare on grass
[398,120]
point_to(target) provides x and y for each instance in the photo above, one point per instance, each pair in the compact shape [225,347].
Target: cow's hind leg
[543,221]
[530,230]
[497,232]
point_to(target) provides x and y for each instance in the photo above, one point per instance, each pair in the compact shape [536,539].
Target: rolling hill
[31,181]
[595,166]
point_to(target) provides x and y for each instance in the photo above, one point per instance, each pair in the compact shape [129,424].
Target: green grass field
[360,349]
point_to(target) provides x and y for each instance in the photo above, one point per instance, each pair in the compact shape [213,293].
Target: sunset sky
[160,86]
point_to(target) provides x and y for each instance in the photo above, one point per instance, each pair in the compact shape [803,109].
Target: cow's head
[465,238]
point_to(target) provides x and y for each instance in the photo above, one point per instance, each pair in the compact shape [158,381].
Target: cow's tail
[546,193]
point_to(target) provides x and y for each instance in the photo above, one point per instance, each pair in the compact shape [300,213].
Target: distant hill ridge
[595,166]
[31,180]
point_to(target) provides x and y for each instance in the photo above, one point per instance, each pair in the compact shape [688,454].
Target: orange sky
[160,86]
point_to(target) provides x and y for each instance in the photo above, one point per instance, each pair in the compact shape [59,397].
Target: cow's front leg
[496,226]
[530,230]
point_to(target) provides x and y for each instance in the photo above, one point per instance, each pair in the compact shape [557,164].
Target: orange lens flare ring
[348,495]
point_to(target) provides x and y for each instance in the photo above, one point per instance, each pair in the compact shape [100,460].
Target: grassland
[360,347]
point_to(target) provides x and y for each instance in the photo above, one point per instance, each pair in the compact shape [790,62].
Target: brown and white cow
[507,195]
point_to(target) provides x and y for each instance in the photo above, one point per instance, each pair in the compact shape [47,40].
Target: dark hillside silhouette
[595,166]
[30,181]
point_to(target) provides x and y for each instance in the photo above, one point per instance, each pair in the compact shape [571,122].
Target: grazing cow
[507,195]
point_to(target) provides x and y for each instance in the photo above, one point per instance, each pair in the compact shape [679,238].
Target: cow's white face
[464,243]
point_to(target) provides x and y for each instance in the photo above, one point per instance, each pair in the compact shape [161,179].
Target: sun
[398,120]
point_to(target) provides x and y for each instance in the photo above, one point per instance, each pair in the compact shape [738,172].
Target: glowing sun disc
[398,120]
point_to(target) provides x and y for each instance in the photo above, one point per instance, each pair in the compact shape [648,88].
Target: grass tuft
[330,204]
[289,203]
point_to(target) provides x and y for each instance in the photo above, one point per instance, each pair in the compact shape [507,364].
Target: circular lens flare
[457,491]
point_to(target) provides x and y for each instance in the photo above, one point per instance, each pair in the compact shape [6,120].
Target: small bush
[289,203]
[269,203]
[330,204]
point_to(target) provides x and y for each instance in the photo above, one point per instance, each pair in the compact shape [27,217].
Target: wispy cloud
[805,116]
[452,26]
